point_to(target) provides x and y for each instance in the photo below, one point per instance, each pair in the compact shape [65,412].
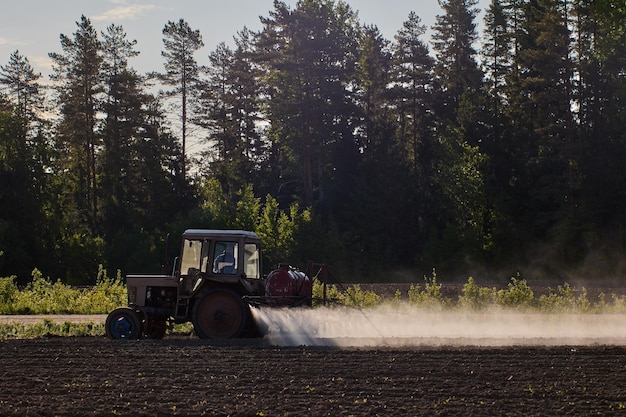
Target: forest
[488,154]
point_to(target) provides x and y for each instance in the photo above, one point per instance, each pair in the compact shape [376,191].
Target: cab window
[226,258]
[251,260]
[192,255]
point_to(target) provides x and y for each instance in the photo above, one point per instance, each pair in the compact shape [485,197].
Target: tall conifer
[181,73]
[76,72]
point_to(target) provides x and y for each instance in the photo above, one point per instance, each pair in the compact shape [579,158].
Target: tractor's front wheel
[220,314]
[123,323]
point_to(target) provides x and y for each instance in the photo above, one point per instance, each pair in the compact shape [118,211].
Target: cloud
[12,42]
[123,11]
[42,62]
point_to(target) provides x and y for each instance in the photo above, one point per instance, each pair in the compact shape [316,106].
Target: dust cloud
[407,326]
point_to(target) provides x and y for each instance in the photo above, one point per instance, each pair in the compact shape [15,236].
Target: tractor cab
[217,256]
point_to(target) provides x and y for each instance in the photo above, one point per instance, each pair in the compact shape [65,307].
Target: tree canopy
[494,151]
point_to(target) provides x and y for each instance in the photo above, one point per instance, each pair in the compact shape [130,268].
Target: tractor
[215,282]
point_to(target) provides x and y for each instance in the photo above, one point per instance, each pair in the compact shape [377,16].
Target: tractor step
[182,308]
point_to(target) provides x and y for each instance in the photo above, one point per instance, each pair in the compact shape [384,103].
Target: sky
[33,26]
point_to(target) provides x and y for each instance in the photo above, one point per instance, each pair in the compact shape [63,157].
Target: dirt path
[191,377]
[56,318]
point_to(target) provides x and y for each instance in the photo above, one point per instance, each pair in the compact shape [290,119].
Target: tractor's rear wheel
[123,323]
[220,314]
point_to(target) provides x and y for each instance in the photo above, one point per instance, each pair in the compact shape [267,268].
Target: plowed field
[191,377]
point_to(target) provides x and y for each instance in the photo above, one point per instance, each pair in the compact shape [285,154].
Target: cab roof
[217,233]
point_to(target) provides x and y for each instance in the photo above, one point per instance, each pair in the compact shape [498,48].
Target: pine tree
[230,113]
[413,90]
[216,114]
[379,198]
[23,87]
[608,46]
[457,183]
[124,117]
[181,73]
[22,199]
[412,97]
[545,81]
[308,55]
[78,88]
[589,76]
[456,68]
[601,51]
[459,81]
[497,51]
[27,97]
[158,191]
[246,99]
[374,77]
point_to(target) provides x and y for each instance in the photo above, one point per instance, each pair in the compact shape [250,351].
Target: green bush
[333,295]
[474,297]
[353,296]
[8,294]
[42,296]
[564,300]
[430,296]
[619,304]
[518,295]
[104,297]
[396,300]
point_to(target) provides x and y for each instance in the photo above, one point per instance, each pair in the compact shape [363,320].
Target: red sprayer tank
[288,286]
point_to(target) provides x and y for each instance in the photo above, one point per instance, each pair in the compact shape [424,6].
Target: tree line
[499,151]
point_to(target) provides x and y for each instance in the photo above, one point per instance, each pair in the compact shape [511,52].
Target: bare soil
[182,376]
